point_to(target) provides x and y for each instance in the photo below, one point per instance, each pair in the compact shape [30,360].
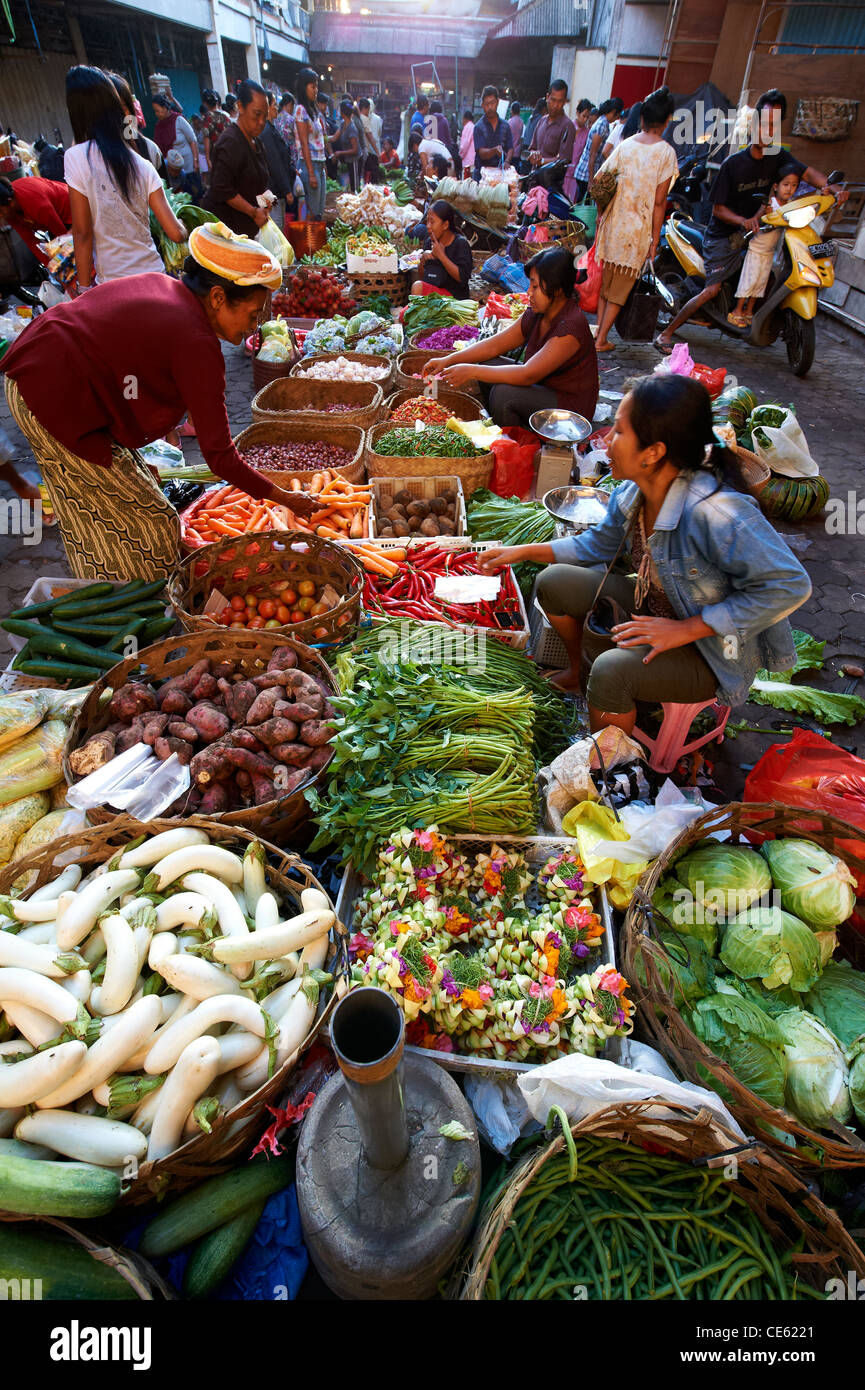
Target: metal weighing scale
[564,429]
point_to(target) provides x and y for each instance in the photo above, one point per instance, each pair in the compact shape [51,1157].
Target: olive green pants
[617,677]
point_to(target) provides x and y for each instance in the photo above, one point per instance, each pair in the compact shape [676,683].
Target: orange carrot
[328,533]
[317,483]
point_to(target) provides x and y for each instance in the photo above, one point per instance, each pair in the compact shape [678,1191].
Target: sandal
[737,320]
[665,348]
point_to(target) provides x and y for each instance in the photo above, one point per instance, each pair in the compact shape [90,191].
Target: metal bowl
[562,503]
[560,426]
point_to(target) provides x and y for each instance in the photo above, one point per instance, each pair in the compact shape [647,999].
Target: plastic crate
[421,489]
[545,645]
[537,849]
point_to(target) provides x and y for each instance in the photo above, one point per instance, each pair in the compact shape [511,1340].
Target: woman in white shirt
[112,190]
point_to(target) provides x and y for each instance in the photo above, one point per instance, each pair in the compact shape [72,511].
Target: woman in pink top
[467,144]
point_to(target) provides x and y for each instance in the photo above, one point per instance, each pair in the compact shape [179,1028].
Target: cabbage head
[856,1062]
[746,1039]
[724,879]
[838,1000]
[772,1001]
[675,908]
[814,885]
[769,945]
[817,1089]
[688,970]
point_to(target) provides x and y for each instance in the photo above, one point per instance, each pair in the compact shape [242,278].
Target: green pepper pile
[436,441]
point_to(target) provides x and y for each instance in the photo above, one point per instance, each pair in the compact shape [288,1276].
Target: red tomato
[267,608]
[298,615]
[255,622]
[317,609]
[306,588]
[227,616]
[321,634]
[289,597]
[306,604]
[283,613]
[238,603]
[243,625]
[251,601]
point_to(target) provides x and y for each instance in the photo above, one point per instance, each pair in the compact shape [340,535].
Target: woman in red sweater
[35,205]
[92,381]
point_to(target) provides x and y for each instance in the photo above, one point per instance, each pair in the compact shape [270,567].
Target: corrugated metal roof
[809,25]
[545,19]
[337,33]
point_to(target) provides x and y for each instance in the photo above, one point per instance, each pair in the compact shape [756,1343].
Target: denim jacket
[718,558]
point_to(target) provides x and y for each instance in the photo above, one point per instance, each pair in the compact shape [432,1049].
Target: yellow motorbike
[802,266]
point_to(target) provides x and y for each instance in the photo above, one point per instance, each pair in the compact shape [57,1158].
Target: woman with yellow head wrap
[91,381]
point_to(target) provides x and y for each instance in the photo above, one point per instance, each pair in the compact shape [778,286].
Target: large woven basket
[138,1272]
[291,400]
[235,1133]
[408,368]
[792,1215]
[459,403]
[296,431]
[173,656]
[306,237]
[755,472]
[385,364]
[394,283]
[659,1018]
[264,373]
[472,472]
[251,564]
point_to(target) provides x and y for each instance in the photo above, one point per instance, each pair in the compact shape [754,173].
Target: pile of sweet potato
[246,740]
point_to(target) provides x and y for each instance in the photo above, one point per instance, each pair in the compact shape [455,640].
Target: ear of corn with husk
[34,763]
[17,817]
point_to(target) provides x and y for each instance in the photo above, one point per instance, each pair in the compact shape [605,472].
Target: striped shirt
[602,128]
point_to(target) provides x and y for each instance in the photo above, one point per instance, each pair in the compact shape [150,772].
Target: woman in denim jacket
[714,584]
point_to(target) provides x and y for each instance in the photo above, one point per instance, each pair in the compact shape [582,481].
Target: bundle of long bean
[607,1221]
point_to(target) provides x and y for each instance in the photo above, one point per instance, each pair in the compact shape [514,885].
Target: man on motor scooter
[739,191]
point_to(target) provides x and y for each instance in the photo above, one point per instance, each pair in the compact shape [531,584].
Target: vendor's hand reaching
[660,634]
[498,556]
[261,217]
[297,502]
[459,373]
[433,366]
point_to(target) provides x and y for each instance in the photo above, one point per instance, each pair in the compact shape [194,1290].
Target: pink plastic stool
[670,746]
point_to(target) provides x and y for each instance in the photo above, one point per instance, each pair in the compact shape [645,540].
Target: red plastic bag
[514,468]
[590,290]
[711,377]
[815,774]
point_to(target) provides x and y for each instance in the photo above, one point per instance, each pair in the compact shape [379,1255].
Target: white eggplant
[25,955]
[25,1082]
[88,1138]
[185,910]
[34,1025]
[189,1078]
[231,919]
[208,859]
[198,978]
[121,968]
[221,1008]
[254,882]
[111,1051]
[79,985]
[37,992]
[67,881]
[81,916]
[158,846]
[271,942]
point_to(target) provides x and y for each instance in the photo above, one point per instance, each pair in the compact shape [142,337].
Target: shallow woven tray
[413,361]
[472,472]
[368,358]
[662,1024]
[290,400]
[173,656]
[237,1131]
[459,403]
[298,430]
[233,567]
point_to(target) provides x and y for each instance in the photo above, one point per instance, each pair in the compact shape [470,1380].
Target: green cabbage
[675,908]
[814,885]
[838,1000]
[724,879]
[772,946]
[688,971]
[772,1001]
[817,1089]
[746,1039]
[856,1080]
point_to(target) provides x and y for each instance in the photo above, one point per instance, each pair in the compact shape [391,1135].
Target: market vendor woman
[446,264]
[90,382]
[560,366]
[713,582]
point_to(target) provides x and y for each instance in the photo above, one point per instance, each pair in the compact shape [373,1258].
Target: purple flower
[403,968]
[541,1027]
[576,882]
[554,939]
[581,950]
[449,984]
[429,872]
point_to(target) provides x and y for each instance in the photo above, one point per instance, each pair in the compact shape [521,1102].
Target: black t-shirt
[740,178]
[434,272]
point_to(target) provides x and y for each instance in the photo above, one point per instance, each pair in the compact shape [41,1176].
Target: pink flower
[485,991]
[612,982]
[535,990]
[425,839]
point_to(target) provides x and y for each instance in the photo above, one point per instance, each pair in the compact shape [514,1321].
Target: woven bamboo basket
[289,400]
[567,234]
[300,431]
[251,564]
[173,656]
[142,1278]
[393,283]
[369,359]
[459,403]
[408,368]
[472,472]
[264,373]
[415,344]
[755,471]
[236,1132]
[658,1016]
[791,1214]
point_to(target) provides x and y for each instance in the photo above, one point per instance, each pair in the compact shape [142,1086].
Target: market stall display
[106,929]
[398,451]
[345,366]
[431,405]
[309,293]
[33,729]
[296,450]
[731,989]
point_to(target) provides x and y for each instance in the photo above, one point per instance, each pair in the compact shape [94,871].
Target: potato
[401,528]
[396,514]
[386,531]
[446,527]
[430,527]
[449,495]
[403,497]
[415,523]
[451,511]
[420,509]
[438,506]
[385,502]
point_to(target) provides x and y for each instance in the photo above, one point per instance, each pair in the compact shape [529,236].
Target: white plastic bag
[584,1085]
[273,241]
[50,295]
[652,827]
[788,451]
[500,1110]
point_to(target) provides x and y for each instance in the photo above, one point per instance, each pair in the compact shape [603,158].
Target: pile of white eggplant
[150,996]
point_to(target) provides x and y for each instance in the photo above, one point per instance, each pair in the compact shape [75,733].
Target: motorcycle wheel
[800,337]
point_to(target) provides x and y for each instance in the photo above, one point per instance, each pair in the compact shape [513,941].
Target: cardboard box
[554,467]
[372,265]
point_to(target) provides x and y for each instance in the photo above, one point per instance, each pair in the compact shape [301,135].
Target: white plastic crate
[537,849]
[422,490]
[546,646]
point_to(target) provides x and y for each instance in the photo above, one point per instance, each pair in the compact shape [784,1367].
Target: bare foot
[605,347]
[565,680]
[28,492]
[663,344]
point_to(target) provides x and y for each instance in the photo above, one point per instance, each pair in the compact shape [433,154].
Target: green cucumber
[213,1203]
[59,671]
[45,639]
[130,629]
[56,1267]
[216,1254]
[154,630]
[41,1187]
[85,632]
[90,591]
[121,599]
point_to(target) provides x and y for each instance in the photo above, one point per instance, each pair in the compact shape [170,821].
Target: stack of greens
[421,741]
[757,983]
[429,311]
[173,253]
[333,253]
[511,522]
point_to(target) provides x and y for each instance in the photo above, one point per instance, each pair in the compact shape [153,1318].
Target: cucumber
[121,599]
[86,633]
[90,591]
[57,1268]
[216,1254]
[59,671]
[45,639]
[156,629]
[41,1187]
[130,629]
[213,1203]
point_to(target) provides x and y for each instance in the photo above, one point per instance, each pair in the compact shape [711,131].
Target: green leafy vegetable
[746,1039]
[814,885]
[817,1080]
[772,946]
[724,879]
[838,1000]
[826,706]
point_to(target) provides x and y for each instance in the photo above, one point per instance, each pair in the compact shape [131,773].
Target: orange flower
[471,999]
[560,1004]
[552,955]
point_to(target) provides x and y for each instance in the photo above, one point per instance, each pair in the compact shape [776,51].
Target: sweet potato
[185,683]
[209,721]
[316,732]
[93,754]
[178,728]
[322,686]
[266,680]
[206,688]
[243,780]
[164,747]
[238,699]
[287,779]
[262,789]
[283,659]
[222,670]
[210,765]
[128,739]
[132,699]
[300,712]
[274,731]
[256,764]
[263,705]
[320,758]
[175,702]
[292,754]
[153,726]
[215,799]
[245,738]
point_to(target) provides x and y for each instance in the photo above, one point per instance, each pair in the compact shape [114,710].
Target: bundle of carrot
[226,511]
[344,511]
[377,561]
